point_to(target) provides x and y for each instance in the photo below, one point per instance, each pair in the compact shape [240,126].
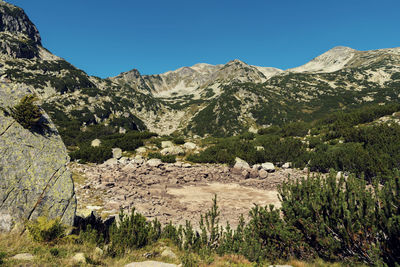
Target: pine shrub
[44,230]
[26,112]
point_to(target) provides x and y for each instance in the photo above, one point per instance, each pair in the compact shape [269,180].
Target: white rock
[186,165]
[79,258]
[165,144]
[150,264]
[263,174]
[168,253]
[268,166]
[338,175]
[124,160]
[241,164]
[117,153]
[154,162]
[96,143]
[287,165]
[141,150]
[111,162]
[98,251]
[190,146]
[259,148]
[23,257]
[172,150]
[138,160]
[256,167]
[129,167]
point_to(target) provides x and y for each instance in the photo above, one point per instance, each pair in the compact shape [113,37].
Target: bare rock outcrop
[34,180]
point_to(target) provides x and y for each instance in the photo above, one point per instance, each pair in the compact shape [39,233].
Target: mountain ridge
[203,99]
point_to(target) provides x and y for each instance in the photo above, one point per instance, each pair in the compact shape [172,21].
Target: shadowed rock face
[34,180]
[14,20]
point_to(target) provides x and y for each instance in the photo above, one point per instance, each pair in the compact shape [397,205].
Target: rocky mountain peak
[131,74]
[330,61]
[14,20]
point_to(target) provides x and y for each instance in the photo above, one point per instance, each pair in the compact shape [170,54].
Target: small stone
[165,144]
[186,165]
[110,162]
[23,257]
[268,166]
[245,174]
[124,160]
[168,253]
[141,150]
[98,252]
[190,146]
[79,258]
[287,165]
[263,174]
[241,164]
[154,162]
[96,143]
[259,148]
[117,153]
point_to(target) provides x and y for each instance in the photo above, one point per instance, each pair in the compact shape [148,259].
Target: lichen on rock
[34,179]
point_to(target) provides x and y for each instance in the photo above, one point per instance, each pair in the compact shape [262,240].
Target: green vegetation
[164,158]
[335,219]
[44,230]
[27,113]
[127,142]
[348,142]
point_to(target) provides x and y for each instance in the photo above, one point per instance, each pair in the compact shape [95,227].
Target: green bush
[87,153]
[178,140]
[164,158]
[44,230]
[2,257]
[26,112]
[344,218]
[132,232]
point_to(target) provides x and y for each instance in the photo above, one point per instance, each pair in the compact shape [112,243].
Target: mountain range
[203,99]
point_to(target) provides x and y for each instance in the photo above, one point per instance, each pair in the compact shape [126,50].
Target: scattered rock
[23,257]
[110,162]
[165,144]
[98,252]
[150,264]
[263,174]
[268,166]
[287,165]
[241,164]
[172,150]
[168,253]
[154,162]
[141,150]
[117,153]
[79,258]
[124,160]
[96,143]
[259,148]
[190,146]
[256,167]
[245,174]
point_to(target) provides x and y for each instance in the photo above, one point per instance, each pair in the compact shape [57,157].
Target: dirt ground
[174,192]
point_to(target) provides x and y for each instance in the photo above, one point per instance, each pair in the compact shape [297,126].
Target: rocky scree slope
[203,99]
[34,180]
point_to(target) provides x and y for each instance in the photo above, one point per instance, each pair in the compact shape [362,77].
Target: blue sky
[105,38]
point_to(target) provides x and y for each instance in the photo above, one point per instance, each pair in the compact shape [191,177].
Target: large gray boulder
[34,179]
